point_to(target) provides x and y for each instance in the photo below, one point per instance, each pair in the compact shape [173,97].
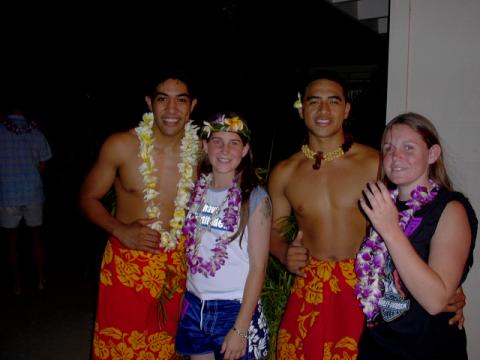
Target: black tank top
[416,334]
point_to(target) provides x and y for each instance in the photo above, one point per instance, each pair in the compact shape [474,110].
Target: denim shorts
[204,325]
[10,217]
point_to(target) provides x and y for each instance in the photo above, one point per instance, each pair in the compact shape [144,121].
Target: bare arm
[97,183]
[42,166]
[295,256]
[258,241]
[431,284]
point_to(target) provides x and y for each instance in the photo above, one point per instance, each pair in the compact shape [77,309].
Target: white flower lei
[189,151]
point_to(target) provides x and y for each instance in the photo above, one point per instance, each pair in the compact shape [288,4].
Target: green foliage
[277,286]
[110,201]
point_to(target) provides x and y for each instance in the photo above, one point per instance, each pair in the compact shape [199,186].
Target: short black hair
[312,74]
[170,72]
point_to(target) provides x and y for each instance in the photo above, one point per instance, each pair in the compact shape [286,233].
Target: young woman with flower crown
[226,236]
[417,252]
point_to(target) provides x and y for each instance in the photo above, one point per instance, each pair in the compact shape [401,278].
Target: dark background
[83,67]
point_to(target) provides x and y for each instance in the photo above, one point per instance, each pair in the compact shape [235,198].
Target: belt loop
[201,314]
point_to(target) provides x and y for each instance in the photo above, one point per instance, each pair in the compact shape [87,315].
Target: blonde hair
[424,127]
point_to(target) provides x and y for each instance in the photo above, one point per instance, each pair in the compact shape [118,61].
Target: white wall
[434,69]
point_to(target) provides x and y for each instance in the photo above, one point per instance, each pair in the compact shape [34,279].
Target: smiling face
[171,106]
[406,158]
[324,108]
[225,151]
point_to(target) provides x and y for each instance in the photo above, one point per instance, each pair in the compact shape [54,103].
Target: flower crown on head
[224,123]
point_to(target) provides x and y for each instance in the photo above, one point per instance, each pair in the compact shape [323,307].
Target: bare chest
[164,177]
[328,190]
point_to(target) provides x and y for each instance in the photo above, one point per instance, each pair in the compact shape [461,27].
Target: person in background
[24,152]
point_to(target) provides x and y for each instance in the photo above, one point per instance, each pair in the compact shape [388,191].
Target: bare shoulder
[366,157]
[120,140]
[286,168]
[365,152]
[455,209]
[120,144]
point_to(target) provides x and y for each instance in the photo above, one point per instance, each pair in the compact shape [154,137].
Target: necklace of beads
[373,254]
[318,156]
[193,231]
[18,130]
[189,150]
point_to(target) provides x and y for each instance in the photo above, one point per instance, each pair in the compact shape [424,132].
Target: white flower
[189,150]
[298,103]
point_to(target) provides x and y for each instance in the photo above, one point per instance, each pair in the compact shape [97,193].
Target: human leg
[209,356]
[322,316]
[13,259]
[138,303]
[39,254]
[9,220]
[33,215]
[204,326]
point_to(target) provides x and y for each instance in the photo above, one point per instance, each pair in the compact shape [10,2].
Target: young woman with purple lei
[417,252]
[226,233]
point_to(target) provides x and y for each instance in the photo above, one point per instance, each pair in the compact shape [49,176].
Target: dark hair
[170,72]
[247,179]
[424,127]
[314,74]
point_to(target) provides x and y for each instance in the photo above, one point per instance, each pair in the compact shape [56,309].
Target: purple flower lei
[373,253]
[230,219]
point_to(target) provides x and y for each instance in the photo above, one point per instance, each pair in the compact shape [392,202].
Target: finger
[301,273]
[372,186]
[368,196]
[149,238]
[297,253]
[458,297]
[298,241]
[371,192]
[154,250]
[297,260]
[145,222]
[365,207]
[298,269]
[457,318]
[450,308]
[153,245]
[384,191]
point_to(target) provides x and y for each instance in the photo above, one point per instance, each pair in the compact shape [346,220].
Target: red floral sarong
[322,319]
[138,303]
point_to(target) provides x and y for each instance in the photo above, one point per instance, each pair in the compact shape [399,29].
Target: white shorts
[10,217]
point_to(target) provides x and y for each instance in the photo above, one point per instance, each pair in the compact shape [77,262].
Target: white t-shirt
[229,281]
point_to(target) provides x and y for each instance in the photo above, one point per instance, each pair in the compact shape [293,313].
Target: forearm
[251,295]
[97,214]
[425,285]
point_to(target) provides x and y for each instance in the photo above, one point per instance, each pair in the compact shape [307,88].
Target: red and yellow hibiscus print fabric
[138,303]
[322,319]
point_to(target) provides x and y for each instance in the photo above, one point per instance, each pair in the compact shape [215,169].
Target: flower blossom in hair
[298,103]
